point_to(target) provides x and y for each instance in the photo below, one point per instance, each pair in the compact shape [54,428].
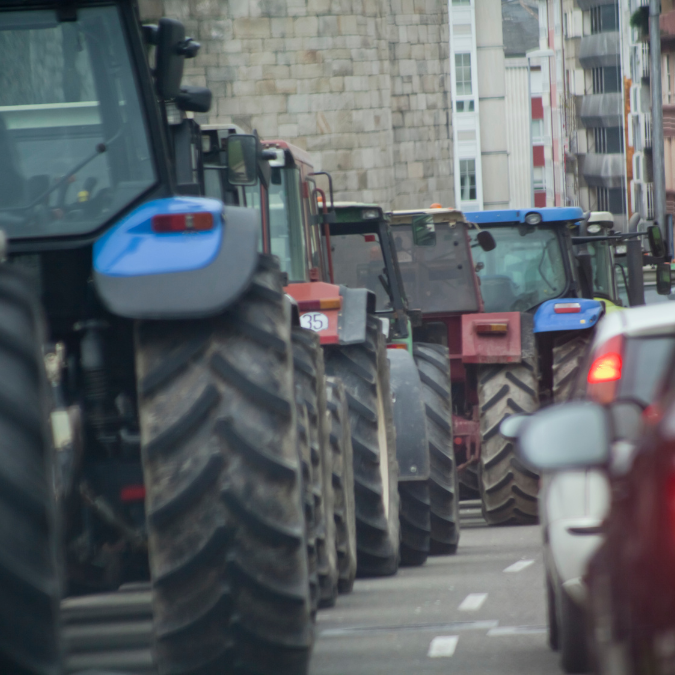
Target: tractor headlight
[533,218]
[594,228]
[369,214]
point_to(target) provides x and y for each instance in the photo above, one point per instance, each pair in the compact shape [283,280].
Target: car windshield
[525,269]
[436,269]
[73,138]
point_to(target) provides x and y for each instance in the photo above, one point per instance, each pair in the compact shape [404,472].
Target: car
[625,361]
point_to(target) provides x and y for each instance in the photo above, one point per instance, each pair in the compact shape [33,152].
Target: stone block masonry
[363,85]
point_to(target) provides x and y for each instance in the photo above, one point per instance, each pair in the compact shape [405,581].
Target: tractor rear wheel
[568,353]
[310,378]
[227,543]
[30,588]
[343,483]
[508,489]
[364,370]
[433,364]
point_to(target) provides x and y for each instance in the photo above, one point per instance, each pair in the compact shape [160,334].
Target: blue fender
[547,321]
[142,274]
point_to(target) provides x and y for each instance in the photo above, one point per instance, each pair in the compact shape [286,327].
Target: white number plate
[315,321]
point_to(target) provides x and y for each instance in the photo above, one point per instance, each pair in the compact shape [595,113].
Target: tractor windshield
[436,268]
[525,269]
[73,138]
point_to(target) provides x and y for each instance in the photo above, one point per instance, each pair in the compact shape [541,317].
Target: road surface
[479,612]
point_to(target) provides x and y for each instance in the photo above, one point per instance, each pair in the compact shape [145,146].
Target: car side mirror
[194,99]
[572,435]
[512,425]
[663,278]
[242,159]
[486,241]
[656,243]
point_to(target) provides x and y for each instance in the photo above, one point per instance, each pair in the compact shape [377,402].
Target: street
[479,611]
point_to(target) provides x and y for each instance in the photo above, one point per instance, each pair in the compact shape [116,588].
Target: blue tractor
[148,427]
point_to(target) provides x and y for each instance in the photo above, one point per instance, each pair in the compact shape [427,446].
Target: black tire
[310,377]
[573,638]
[552,614]
[568,354]
[224,492]
[364,370]
[30,586]
[433,364]
[415,517]
[508,489]
[343,483]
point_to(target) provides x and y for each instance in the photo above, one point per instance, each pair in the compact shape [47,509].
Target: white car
[629,351]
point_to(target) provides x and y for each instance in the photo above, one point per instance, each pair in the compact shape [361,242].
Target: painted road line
[454,626]
[443,646]
[473,601]
[519,566]
[516,630]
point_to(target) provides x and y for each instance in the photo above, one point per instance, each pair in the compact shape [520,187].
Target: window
[467,179]
[612,200]
[539,180]
[464,106]
[461,2]
[463,74]
[537,131]
[604,19]
[606,80]
[609,140]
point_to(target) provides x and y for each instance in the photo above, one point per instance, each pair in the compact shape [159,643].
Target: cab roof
[404,217]
[508,216]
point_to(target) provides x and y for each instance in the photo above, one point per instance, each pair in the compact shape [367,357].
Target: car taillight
[567,308]
[605,368]
[315,305]
[605,371]
[183,222]
[397,345]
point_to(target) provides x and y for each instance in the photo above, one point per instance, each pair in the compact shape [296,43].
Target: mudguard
[546,320]
[412,450]
[141,274]
[357,303]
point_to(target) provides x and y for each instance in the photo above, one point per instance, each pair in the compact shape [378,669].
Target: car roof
[642,321]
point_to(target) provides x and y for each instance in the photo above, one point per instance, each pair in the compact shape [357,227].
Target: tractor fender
[547,320]
[357,303]
[141,274]
[412,450]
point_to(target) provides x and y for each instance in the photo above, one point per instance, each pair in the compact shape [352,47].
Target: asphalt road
[479,612]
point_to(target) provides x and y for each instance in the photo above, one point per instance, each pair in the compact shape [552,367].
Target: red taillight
[132,493]
[315,305]
[606,368]
[183,222]
[397,345]
[492,328]
[370,238]
[567,308]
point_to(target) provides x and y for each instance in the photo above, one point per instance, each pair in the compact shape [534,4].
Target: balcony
[642,132]
[644,200]
[600,50]
[602,110]
[603,170]
[639,62]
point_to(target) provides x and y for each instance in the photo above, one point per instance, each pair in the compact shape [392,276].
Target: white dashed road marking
[515,630]
[443,645]
[519,566]
[473,601]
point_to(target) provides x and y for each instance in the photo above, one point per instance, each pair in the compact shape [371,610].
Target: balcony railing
[639,62]
[642,131]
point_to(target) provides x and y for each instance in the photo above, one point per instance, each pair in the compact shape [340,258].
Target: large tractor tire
[343,483]
[433,364]
[569,351]
[508,489]
[310,378]
[364,370]
[30,587]
[415,516]
[227,543]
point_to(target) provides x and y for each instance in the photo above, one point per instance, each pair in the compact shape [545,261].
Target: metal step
[471,513]
[110,631]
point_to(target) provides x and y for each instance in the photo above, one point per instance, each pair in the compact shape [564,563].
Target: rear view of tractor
[146,365]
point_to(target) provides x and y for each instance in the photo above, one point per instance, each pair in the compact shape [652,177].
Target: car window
[644,365]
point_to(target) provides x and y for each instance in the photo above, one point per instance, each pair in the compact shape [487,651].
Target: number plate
[315,321]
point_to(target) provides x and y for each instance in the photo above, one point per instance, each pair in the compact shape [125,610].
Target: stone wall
[363,85]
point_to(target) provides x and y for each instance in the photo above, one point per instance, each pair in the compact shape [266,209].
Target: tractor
[340,327]
[149,426]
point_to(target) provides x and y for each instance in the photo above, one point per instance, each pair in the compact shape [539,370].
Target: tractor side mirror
[663,279]
[169,59]
[656,243]
[424,231]
[194,99]
[486,240]
[242,158]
